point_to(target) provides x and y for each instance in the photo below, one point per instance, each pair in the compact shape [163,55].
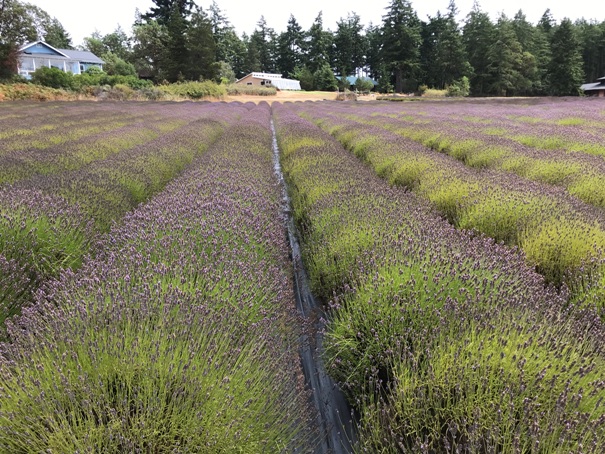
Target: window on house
[81,68]
[249,83]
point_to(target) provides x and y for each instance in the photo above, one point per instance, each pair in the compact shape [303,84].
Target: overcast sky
[82,17]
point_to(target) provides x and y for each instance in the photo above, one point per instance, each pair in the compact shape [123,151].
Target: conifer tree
[565,70]
[401,42]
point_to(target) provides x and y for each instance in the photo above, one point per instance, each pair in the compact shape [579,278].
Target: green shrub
[460,87]
[364,84]
[251,90]
[53,77]
[194,90]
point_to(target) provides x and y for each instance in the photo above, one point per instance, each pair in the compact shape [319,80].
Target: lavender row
[560,152]
[50,222]
[179,336]
[559,235]
[434,333]
[94,133]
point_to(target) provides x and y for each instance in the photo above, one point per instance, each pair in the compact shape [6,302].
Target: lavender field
[148,300]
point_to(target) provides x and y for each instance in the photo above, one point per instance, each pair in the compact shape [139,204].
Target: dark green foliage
[443,54]
[201,48]
[364,84]
[163,10]
[116,66]
[175,54]
[56,35]
[290,48]
[565,69]
[53,77]
[324,79]
[319,43]
[8,60]
[229,47]
[479,37]
[305,76]
[460,87]
[401,46]
[261,48]
[507,64]
[350,45]
[592,38]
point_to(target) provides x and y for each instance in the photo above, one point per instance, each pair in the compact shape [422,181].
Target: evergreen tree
[305,76]
[374,40]
[118,43]
[163,10]
[507,61]
[350,45]
[565,70]
[94,44]
[201,48]
[547,23]
[252,60]
[289,48]
[318,45]
[401,43]
[175,61]
[591,35]
[264,41]
[443,55]
[56,35]
[324,78]
[115,65]
[478,36]
[230,49]
[149,42]
[536,49]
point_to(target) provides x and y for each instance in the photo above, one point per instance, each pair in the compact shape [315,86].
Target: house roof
[82,55]
[79,55]
[276,80]
[593,86]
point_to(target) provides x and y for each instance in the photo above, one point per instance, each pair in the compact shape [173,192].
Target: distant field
[146,287]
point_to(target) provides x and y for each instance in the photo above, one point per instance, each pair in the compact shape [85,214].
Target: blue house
[39,54]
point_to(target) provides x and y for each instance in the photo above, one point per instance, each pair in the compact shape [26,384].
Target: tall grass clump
[419,320]
[179,336]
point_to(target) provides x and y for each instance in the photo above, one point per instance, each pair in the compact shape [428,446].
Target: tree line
[179,40]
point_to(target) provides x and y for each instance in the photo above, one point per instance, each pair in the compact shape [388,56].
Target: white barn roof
[276,80]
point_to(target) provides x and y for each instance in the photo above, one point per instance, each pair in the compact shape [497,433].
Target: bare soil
[293,96]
